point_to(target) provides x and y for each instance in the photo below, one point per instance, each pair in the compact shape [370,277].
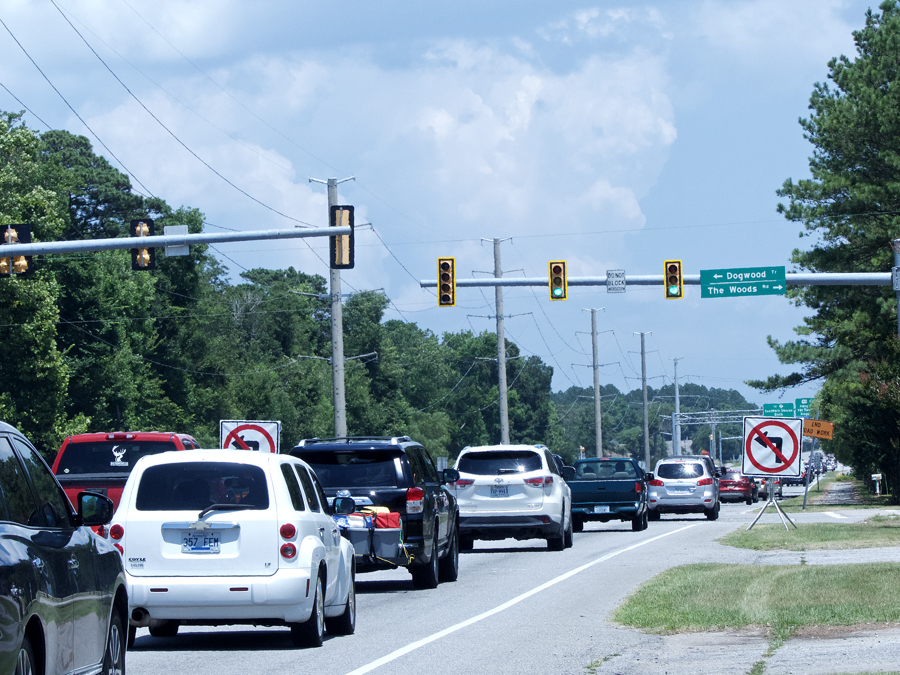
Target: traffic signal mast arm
[48,247]
[797,279]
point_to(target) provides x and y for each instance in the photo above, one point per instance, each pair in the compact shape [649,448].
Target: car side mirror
[344,506]
[94,509]
[450,476]
[568,473]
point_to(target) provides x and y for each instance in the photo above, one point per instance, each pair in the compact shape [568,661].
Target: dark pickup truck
[608,488]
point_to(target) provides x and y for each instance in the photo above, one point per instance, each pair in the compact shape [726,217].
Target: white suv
[213,537]
[512,491]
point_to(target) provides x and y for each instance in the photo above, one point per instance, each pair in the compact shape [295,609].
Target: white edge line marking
[393,656]
[835,515]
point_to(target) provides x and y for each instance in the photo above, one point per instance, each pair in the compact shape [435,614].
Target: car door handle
[321,531]
[73,563]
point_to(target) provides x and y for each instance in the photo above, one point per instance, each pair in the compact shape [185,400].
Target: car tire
[652,514]
[448,567]
[567,537]
[345,624]
[558,543]
[25,663]
[132,634]
[427,576]
[310,632]
[466,543]
[637,523]
[646,520]
[749,501]
[713,513]
[116,639]
[577,523]
[166,630]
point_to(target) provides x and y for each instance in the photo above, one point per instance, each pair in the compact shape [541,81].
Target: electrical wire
[24,106]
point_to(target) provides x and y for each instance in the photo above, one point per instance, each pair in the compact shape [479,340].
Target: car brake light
[116,531]
[656,483]
[415,500]
[288,531]
[288,551]
[464,482]
[705,481]
[638,488]
[540,480]
[119,548]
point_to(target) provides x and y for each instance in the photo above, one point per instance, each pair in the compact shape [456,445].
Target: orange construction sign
[818,429]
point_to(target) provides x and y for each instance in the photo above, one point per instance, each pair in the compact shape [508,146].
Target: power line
[24,106]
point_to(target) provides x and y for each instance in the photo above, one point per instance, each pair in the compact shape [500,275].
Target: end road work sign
[742,281]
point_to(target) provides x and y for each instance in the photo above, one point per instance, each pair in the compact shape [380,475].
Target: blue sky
[613,135]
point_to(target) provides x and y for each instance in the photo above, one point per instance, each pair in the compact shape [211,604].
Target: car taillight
[656,483]
[464,482]
[119,548]
[116,532]
[705,481]
[288,531]
[415,500]
[638,488]
[288,551]
[540,480]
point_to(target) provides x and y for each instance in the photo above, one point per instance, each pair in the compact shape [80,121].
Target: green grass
[781,597]
[864,498]
[875,532]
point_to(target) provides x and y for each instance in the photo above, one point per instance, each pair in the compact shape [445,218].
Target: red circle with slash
[757,432]
[233,436]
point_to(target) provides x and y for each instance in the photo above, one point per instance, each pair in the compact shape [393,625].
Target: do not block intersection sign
[772,446]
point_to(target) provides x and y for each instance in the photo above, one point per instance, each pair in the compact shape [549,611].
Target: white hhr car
[512,491]
[214,537]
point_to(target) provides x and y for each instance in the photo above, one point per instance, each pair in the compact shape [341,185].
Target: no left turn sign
[255,435]
[772,446]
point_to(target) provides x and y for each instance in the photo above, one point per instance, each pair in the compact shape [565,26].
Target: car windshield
[604,469]
[188,486]
[498,462]
[679,470]
[356,468]
[108,456]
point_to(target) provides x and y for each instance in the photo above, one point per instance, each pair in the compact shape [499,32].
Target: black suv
[397,473]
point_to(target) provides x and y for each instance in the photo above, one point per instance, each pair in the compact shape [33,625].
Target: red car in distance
[736,487]
[101,462]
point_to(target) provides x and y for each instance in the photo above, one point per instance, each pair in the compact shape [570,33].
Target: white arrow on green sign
[778,409]
[742,281]
[801,405]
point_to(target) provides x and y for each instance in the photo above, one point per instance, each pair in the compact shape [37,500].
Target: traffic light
[143,258]
[446,282]
[674,280]
[558,285]
[341,246]
[19,265]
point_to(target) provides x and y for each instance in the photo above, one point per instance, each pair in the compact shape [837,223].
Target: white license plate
[499,491]
[682,491]
[199,542]
[601,509]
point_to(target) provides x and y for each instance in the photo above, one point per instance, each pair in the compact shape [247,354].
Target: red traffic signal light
[446,269]
[674,280]
[143,258]
[559,287]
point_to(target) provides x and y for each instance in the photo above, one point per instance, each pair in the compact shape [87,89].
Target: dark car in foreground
[399,475]
[63,602]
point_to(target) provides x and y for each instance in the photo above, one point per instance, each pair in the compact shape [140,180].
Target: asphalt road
[518,608]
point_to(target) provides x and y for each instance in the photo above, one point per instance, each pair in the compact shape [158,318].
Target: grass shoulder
[876,532]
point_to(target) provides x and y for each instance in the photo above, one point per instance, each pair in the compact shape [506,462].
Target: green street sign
[742,281]
[778,410]
[802,407]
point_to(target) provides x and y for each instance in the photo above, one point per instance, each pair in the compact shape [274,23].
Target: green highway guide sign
[742,281]
[802,406]
[778,410]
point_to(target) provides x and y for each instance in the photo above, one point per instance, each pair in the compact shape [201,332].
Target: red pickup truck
[101,462]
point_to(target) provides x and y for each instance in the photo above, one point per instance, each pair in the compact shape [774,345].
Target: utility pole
[646,407]
[895,277]
[501,349]
[676,421]
[337,326]
[597,420]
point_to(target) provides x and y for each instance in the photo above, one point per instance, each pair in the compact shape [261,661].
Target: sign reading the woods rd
[742,281]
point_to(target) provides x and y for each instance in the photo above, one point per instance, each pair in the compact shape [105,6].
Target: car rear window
[355,468]
[108,456]
[498,462]
[686,470]
[604,469]
[733,476]
[182,486]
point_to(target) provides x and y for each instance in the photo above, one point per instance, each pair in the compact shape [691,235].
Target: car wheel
[652,514]
[448,568]
[345,624]
[567,537]
[466,543]
[637,523]
[25,663]
[713,513]
[310,632]
[749,501]
[132,634]
[427,576]
[114,657]
[165,630]
[558,543]
[577,523]
[646,518]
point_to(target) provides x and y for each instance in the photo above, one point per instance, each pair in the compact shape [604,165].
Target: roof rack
[394,440]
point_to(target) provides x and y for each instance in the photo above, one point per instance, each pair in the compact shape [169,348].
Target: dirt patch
[836,632]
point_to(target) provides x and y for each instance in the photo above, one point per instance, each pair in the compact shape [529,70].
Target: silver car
[684,484]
